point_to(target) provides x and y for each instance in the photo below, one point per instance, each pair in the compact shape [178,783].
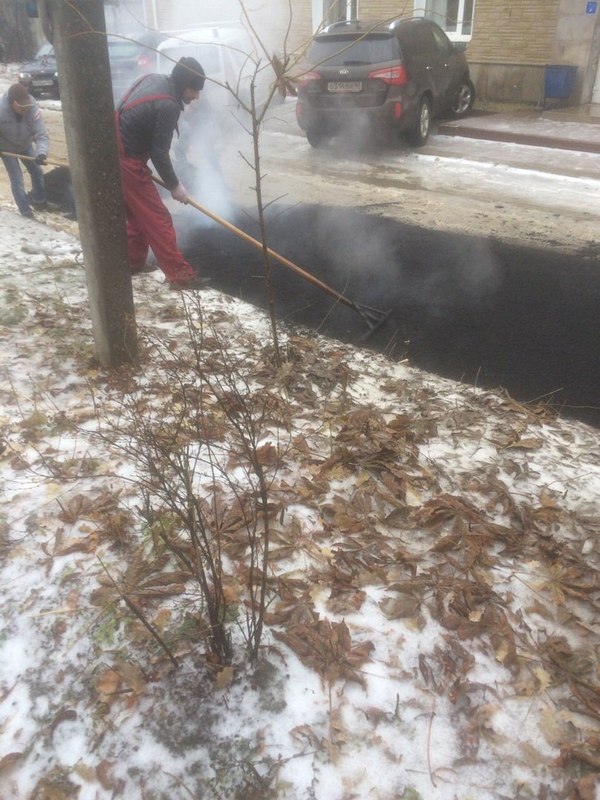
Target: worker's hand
[41,159]
[180,193]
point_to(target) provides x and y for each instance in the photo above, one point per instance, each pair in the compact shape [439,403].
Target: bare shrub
[197,434]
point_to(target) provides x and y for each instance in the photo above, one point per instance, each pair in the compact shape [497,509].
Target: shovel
[374,317]
[49,161]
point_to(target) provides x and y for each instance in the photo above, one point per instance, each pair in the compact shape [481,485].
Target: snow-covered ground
[432,620]
[432,625]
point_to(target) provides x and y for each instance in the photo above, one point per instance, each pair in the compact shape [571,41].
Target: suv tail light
[309,77]
[395,76]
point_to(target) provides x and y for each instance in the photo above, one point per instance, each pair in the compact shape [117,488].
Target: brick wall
[514,31]
[301,28]
[513,40]
[505,31]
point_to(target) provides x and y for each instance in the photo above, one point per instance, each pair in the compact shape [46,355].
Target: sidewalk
[576,128]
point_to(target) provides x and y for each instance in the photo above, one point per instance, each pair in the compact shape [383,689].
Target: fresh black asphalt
[473,309]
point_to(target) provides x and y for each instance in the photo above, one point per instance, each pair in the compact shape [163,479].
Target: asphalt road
[534,195]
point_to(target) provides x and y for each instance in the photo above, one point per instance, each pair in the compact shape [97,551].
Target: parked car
[394,76]
[131,56]
[223,50]
[39,75]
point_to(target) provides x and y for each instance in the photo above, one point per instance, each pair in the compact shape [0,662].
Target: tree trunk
[18,40]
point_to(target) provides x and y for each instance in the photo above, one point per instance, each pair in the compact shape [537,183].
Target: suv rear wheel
[316,139]
[465,97]
[420,133]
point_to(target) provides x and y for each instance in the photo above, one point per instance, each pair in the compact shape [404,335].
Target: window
[338,10]
[209,55]
[122,48]
[417,38]
[443,43]
[453,16]
[347,49]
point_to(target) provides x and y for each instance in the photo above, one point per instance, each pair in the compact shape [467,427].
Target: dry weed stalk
[136,611]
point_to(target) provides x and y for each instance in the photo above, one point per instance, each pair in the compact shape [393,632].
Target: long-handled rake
[374,317]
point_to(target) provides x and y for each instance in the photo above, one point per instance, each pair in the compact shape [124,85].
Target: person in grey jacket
[22,131]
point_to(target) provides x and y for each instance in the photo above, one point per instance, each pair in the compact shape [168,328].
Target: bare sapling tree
[281,74]
[263,76]
[257,63]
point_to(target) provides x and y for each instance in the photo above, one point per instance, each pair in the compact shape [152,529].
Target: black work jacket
[148,115]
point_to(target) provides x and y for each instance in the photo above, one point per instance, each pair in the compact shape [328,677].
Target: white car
[228,57]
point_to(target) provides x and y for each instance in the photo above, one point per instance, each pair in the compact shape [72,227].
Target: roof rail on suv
[395,22]
[348,25]
[366,25]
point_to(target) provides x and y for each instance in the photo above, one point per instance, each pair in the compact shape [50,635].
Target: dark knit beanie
[187,74]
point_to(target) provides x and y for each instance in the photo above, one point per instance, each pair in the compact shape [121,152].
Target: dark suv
[397,76]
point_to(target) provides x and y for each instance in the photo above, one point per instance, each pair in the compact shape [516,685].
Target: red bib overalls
[149,223]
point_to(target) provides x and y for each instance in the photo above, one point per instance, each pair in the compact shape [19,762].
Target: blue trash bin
[559,82]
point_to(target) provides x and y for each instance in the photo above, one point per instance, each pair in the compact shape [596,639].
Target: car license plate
[42,83]
[344,86]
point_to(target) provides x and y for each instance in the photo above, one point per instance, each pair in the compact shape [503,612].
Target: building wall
[385,9]
[176,15]
[302,29]
[514,31]
[513,42]
[577,42]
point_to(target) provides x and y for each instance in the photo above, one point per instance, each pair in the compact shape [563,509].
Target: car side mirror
[460,46]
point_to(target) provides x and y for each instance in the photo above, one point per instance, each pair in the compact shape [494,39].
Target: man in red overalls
[146,120]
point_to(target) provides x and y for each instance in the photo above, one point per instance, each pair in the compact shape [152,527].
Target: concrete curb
[515,137]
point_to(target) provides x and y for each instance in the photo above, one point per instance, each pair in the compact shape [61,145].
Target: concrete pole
[78,31]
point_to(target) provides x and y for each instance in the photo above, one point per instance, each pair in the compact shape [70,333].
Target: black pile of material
[473,309]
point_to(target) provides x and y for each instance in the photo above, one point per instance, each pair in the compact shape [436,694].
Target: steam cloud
[213,129]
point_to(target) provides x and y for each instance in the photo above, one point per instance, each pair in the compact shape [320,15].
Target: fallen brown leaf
[223,678]
[8,761]
[327,648]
